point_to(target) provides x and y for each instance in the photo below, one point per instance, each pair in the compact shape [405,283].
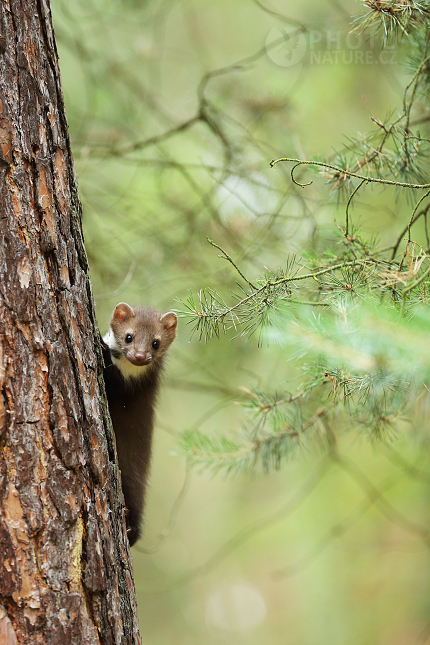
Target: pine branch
[367,362]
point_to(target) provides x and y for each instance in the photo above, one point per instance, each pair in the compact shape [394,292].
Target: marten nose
[140,356]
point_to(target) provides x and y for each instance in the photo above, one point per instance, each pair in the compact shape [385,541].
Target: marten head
[139,337]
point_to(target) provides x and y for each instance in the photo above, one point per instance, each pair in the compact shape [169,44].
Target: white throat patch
[127,369]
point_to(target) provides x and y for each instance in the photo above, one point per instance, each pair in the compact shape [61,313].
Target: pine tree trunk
[65,567]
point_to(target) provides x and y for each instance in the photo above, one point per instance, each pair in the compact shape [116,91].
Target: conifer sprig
[356,316]
[394,19]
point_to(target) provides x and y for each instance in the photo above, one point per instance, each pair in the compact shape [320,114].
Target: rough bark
[65,567]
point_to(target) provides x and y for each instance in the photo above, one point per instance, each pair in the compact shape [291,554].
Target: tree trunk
[65,567]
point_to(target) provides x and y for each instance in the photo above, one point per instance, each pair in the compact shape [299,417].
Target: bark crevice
[65,565]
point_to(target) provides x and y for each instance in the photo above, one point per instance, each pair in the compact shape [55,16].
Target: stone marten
[134,351]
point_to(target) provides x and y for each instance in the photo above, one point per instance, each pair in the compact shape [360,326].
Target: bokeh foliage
[312,300]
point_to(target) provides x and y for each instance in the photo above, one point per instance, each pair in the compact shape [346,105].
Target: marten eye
[156,344]
[128,338]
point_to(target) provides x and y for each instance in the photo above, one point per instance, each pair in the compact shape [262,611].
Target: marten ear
[169,321]
[122,312]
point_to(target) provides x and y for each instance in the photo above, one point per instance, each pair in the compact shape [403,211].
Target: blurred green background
[175,111]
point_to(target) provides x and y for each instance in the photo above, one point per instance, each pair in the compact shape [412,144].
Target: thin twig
[340,171]
[228,258]
[411,286]
[363,181]
[410,223]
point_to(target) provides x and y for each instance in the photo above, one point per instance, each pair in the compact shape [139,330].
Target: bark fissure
[65,567]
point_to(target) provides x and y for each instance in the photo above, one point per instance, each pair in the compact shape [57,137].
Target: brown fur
[132,395]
